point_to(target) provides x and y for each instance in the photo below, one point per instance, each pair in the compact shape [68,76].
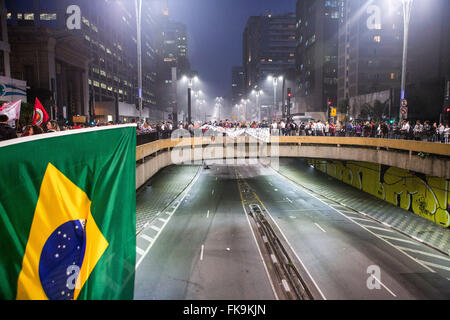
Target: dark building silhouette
[269,50]
[92,70]
[317,54]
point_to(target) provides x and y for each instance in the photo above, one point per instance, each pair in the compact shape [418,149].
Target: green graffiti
[426,196]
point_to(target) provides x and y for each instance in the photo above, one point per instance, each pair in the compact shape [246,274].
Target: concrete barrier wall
[154,156]
[426,196]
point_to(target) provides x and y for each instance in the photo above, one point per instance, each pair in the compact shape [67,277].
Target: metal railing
[411,146]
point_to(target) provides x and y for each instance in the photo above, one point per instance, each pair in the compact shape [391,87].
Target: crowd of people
[426,131]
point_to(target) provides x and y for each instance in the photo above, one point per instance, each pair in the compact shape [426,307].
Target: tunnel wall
[424,195]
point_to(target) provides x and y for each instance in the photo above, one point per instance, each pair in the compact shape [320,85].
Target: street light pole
[407,8]
[138,6]
[189,101]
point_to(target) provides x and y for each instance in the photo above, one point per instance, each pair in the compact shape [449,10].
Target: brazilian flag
[68,215]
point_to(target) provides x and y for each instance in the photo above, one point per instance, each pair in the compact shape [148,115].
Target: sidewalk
[161,191]
[401,220]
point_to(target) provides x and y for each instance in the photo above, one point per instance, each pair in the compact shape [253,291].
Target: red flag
[40,115]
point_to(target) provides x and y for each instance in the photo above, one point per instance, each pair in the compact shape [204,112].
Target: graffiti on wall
[423,195]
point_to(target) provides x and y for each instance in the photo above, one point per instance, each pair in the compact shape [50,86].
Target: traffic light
[289,96]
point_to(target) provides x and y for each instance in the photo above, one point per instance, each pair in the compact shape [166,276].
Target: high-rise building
[370,51]
[428,68]
[269,50]
[10,89]
[100,76]
[317,55]
[174,61]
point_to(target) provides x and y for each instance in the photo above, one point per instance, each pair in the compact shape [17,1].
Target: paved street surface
[203,246]
[206,250]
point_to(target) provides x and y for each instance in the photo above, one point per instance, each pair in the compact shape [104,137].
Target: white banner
[12,110]
[258,133]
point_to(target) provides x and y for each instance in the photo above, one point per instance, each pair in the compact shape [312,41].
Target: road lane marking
[292,249]
[162,220]
[384,286]
[362,226]
[259,249]
[288,199]
[207,215]
[146,237]
[398,239]
[212,191]
[155,228]
[138,263]
[376,228]
[434,265]
[362,219]
[425,253]
[265,239]
[201,252]
[318,226]
[140,251]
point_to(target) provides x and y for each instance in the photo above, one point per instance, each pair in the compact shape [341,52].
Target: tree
[377,112]
[26,114]
[344,106]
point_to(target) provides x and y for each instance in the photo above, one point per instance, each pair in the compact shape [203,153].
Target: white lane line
[138,263]
[265,239]
[207,215]
[362,226]
[434,265]
[295,253]
[285,285]
[162,220]
[425,253]
[212,192]
[201,252]
[140,251]
[288,199]
[362,219]
[376,228]
[155,228]
[384,286]
[318,226]
[398,239]
[260,253]
[146,237]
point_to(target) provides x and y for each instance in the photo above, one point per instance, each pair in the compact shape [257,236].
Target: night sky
[215,30]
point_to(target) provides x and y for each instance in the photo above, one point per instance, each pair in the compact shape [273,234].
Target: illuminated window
[47,16]
[377,39]
[28,16]
[392,76]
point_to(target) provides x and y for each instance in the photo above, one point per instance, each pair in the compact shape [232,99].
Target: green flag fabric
[68,215]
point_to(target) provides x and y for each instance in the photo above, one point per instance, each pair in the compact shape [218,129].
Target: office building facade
[91,70]
[269,50]
[317,55]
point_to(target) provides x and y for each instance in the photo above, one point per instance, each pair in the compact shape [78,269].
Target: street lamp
[275,85]
[244,102]
[190,81]
[258,93]
[407,8]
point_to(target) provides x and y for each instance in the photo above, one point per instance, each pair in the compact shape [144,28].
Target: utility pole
[138,5]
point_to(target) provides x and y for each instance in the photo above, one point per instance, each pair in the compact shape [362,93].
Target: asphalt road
[342,251]
[204,248]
